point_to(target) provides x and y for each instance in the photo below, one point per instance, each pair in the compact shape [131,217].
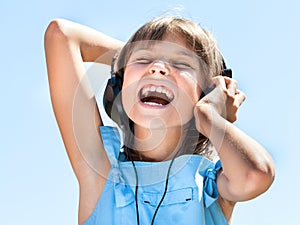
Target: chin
[159,118]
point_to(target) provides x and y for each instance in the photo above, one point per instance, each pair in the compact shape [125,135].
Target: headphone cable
[136,193]
[163,196]
[166,188]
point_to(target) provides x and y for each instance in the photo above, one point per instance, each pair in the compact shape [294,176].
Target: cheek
[197,83]
[133,74]
[191,87]
[128,77]
[188,96]
[197,94]
[129,90]
[185,103]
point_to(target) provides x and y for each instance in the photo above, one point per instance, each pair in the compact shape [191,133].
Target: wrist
[206,117]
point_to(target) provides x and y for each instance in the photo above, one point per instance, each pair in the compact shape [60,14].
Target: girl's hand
[225,99]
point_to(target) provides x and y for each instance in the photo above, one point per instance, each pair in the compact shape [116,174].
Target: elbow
[55,30]
[259,176]
[258,181]
[266,173]
[254,183]
[261,181]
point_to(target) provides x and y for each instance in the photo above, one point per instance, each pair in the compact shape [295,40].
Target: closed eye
[182,65]
[143,60]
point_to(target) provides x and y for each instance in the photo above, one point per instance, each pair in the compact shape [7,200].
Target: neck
[158,144]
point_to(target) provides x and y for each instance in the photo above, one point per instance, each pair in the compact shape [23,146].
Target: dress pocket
[180,196]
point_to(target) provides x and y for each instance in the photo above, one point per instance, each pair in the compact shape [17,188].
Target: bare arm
[67,46]
[248,169]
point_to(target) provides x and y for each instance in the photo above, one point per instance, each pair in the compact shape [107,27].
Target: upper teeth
[159,89]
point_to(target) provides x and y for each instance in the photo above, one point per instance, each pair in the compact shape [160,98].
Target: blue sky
[260,41]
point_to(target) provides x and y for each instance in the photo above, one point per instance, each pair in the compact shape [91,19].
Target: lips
[156,95]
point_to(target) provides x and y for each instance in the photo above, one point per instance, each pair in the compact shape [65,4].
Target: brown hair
[198,40]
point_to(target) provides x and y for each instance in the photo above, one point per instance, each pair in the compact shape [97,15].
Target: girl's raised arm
[248,169]
[67,46]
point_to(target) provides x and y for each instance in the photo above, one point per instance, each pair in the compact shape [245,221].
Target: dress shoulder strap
[209,173]
[112,143]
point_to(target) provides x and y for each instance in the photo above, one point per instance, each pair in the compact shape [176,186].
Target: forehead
[170,38]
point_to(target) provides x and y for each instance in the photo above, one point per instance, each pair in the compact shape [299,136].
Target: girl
[174,154]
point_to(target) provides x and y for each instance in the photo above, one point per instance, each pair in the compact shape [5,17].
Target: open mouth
[156,95]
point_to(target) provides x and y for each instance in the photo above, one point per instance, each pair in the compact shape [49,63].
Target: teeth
[153,88]
[146,90]
[152,103]
[158,89]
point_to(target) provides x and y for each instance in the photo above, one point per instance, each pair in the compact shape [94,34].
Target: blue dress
[191,196]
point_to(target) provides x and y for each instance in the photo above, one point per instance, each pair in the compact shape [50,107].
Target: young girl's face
[162,83]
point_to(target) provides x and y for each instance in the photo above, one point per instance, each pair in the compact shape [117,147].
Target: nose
[158,67]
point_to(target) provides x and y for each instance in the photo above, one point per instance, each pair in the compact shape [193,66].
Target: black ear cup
[227,73]
[108,97]
[112,91]
[109,92]
[113,88]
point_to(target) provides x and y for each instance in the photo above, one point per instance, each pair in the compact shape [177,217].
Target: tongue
[156,100]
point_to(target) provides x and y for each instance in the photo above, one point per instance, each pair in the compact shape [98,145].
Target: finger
[239,98]
[219,82]
[231,85]
[214,82]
